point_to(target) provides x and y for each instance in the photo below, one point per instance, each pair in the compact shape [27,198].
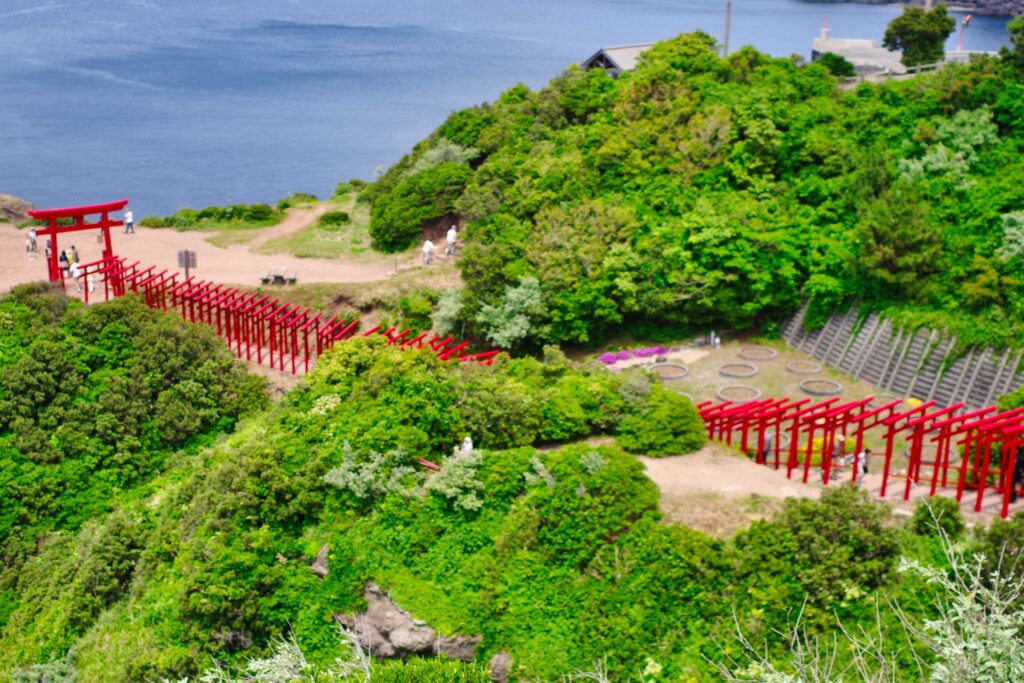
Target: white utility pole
[728,21]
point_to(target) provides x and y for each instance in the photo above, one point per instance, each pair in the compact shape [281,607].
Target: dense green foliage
[698,191]
[921,34]
[94,402]
[556,556]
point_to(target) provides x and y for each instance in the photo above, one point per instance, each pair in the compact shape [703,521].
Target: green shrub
[333,220]
[154,222]
[933,514]
[343,188]
[295,199]
[669,425]
[435,670]
[837,65]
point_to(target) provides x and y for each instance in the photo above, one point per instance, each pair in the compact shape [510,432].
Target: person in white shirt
[428,253]
[452,237]
[76,272]
[129,223]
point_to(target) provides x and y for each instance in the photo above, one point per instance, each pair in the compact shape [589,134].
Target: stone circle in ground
[737,370]
[803,367]
[738,393]
[757,353]
[821,387]
[670,371]
[882,399]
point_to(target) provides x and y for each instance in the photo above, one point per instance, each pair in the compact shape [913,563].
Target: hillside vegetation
[699,191]
[147,563]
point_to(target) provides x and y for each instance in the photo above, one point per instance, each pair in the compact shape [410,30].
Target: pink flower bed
[613,357]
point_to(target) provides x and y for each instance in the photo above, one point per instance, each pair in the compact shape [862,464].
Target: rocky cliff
[13,209]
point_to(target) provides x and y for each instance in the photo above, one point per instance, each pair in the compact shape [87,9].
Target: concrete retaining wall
[906,363]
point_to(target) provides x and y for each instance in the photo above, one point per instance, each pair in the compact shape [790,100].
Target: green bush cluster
[295,199]
[333,220]
[698,191]
[213,216]
[94,402]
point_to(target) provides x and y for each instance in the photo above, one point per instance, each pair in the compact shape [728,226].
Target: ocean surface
[176,103]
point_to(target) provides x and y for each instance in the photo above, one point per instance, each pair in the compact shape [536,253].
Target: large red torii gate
[77,214]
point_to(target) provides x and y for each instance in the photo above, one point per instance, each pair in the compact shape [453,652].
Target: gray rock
[458,647]
[319,566]
[387,631]
[413,639]
[499,667]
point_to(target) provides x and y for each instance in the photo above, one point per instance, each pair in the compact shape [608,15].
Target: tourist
[452,237]
[76,273]
[48,249]
[28,248]
[428,253]
[32,240]
[839,457]
[62,261]
[861,466]
[129,223]
[1017,477]
[73,254]
[766,449]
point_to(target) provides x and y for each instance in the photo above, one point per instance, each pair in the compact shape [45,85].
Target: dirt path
[296,219]
[234,265]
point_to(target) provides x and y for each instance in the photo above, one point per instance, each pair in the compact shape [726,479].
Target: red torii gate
[77,214]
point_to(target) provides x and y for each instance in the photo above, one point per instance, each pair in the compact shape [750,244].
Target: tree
[920,34]
[1015,55]
[837,65]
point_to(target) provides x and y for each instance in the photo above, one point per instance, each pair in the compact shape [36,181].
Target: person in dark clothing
[1017,476]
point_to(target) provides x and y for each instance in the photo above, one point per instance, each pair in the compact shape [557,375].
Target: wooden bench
[279,276]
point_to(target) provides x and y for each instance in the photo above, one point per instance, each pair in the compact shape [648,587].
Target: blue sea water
[178,103]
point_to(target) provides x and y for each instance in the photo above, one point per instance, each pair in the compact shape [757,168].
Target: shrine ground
[230,257]
[716,489]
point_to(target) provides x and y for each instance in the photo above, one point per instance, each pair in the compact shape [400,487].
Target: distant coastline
[995,8]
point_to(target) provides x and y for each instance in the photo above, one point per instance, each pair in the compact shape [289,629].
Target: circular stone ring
[670,371]
[821,387]
[737,370]
[803,367]
[757,353]
[738,393]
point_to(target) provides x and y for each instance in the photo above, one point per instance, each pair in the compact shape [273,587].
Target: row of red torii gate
[978,452]
[257,326]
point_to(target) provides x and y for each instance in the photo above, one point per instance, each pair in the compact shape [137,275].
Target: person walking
[33,244]
[28,249]
[49,249]
[62,261]
[428,253]
[451,238]
[129,223]
[76,273]
[73,254]
[861,465]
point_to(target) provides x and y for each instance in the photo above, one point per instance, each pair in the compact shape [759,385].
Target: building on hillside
[867,56]
[617,59]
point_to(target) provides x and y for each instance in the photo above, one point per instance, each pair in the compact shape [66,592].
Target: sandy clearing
[234,265]
[714,469]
